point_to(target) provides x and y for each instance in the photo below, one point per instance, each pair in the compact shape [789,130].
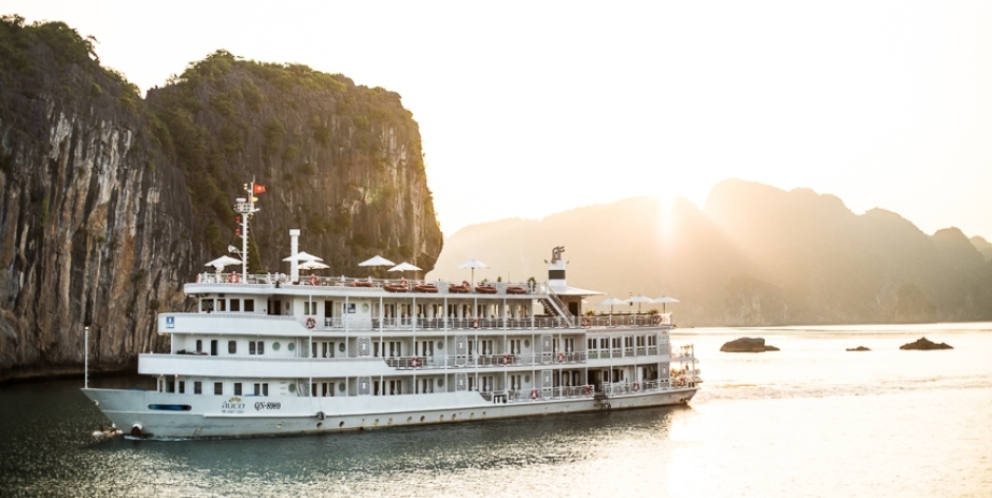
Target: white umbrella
[665,300]
[223,261]
[404,266]
[611,302]
[303,256]
[473,264]
[376,261]
[639,299]
[313,265]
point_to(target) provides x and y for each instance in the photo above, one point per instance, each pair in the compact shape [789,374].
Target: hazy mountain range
[753,255]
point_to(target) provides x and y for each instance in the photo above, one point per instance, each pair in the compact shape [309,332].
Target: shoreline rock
[924,344]
[859,348]
[747,345]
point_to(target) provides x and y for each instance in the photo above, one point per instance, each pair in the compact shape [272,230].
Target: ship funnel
[556,267]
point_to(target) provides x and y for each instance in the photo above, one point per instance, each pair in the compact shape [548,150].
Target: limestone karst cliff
[110,202]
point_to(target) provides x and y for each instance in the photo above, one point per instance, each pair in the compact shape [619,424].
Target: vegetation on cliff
[110,202]
[334,155]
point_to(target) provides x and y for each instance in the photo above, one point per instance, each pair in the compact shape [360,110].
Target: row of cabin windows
[628,342]
[208,305]
[259,388]
[254,347]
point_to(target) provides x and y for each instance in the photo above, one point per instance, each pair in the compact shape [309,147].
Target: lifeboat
[431,288]
[460,289]
[485,289]
[401,286]
[516,289]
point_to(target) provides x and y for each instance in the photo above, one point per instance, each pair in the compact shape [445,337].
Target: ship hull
[179,416]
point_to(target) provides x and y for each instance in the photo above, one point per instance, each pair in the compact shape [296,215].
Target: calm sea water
[810,420]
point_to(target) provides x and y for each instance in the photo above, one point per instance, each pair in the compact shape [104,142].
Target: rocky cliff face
[339,161]
[110,203]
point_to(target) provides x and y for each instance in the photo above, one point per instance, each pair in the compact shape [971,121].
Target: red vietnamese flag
[258,189]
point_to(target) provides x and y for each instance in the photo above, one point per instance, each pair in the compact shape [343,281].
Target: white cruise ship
[281,354]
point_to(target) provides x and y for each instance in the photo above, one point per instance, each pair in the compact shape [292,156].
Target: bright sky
[530,108]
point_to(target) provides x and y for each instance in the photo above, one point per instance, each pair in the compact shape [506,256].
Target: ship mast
[246,208]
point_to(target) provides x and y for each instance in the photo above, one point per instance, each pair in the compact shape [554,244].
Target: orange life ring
[234,277]
[533,394]
[586,390]
[561,357]
[586,321]
[656,319]
[415,362]
[313,280]
[637,387]
[311,323]
[507,359]
[475,323]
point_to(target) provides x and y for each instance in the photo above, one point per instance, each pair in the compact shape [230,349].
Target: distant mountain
[754,255]
[983,246]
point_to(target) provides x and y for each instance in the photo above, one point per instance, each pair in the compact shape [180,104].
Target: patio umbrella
[376,261]
[223,261]
[611,302]
[473,264]
[404,266]
[313,265]
[665,300]
[303,256]
[639,299]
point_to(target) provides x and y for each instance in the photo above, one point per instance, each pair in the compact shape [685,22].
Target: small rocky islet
[924,344]
[747,345]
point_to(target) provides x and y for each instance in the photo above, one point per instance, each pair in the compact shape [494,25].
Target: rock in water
[747,345]
[859,348]
[924,344]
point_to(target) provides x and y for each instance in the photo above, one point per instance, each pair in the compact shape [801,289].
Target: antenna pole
[86,358]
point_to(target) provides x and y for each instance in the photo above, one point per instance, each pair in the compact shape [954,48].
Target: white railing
[486,360]
[538,394]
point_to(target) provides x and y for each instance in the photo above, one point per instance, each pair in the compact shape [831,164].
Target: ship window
[256,347]
[197,387]
[222,305]
[250,305]
[235,305]
[265,389]
[218,388]
[275,346]
[182,387]
[232,347]
[207,305]
[170,386]
[199,346]
[237,389]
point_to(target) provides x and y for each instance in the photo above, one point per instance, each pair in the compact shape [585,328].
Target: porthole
[320,424]
[527,379]
[440,382]
[275,346]
[341,425]
[341,387]
[440,345]
[341,347]
[526,343]
[409,419]
[453,416]
[365,308]
[292,388]
[421,419]
[291,346]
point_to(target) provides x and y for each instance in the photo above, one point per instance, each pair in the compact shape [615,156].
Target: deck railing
[486,360]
